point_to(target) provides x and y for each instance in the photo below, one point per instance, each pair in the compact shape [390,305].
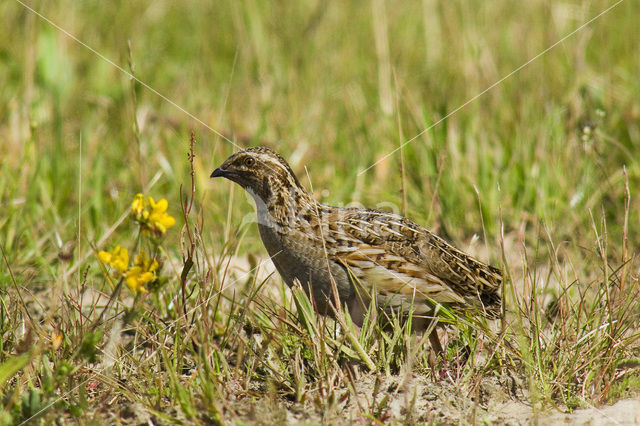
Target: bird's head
[261,171]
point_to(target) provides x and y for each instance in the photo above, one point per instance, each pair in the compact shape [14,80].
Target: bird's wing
[395,256]
[377,250]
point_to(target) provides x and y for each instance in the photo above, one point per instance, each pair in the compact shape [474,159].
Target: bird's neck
[284,208]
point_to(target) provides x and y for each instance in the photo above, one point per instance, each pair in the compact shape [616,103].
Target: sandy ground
[421,401]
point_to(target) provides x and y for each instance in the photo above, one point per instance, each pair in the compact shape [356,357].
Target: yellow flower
[142,272]
[159,220]
[118,259]
[156,221]
[138,207]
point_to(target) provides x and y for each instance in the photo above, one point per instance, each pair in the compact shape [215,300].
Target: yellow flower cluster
[141,273]
[156,220]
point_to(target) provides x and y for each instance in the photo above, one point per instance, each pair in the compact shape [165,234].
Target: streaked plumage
[390,256]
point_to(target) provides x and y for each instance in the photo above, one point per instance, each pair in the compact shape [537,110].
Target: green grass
[543,168]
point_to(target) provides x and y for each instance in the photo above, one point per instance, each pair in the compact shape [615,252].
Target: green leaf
[306,313]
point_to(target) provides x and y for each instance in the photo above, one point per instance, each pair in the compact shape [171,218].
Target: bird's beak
[218,172]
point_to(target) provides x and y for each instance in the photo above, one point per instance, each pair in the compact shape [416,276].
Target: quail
[363,255]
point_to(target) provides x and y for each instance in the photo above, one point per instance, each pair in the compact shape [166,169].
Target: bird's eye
[249,161]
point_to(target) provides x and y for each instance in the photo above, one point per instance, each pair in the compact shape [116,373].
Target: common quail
[365,252]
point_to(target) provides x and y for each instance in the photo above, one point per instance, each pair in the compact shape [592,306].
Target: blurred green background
[333,86]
